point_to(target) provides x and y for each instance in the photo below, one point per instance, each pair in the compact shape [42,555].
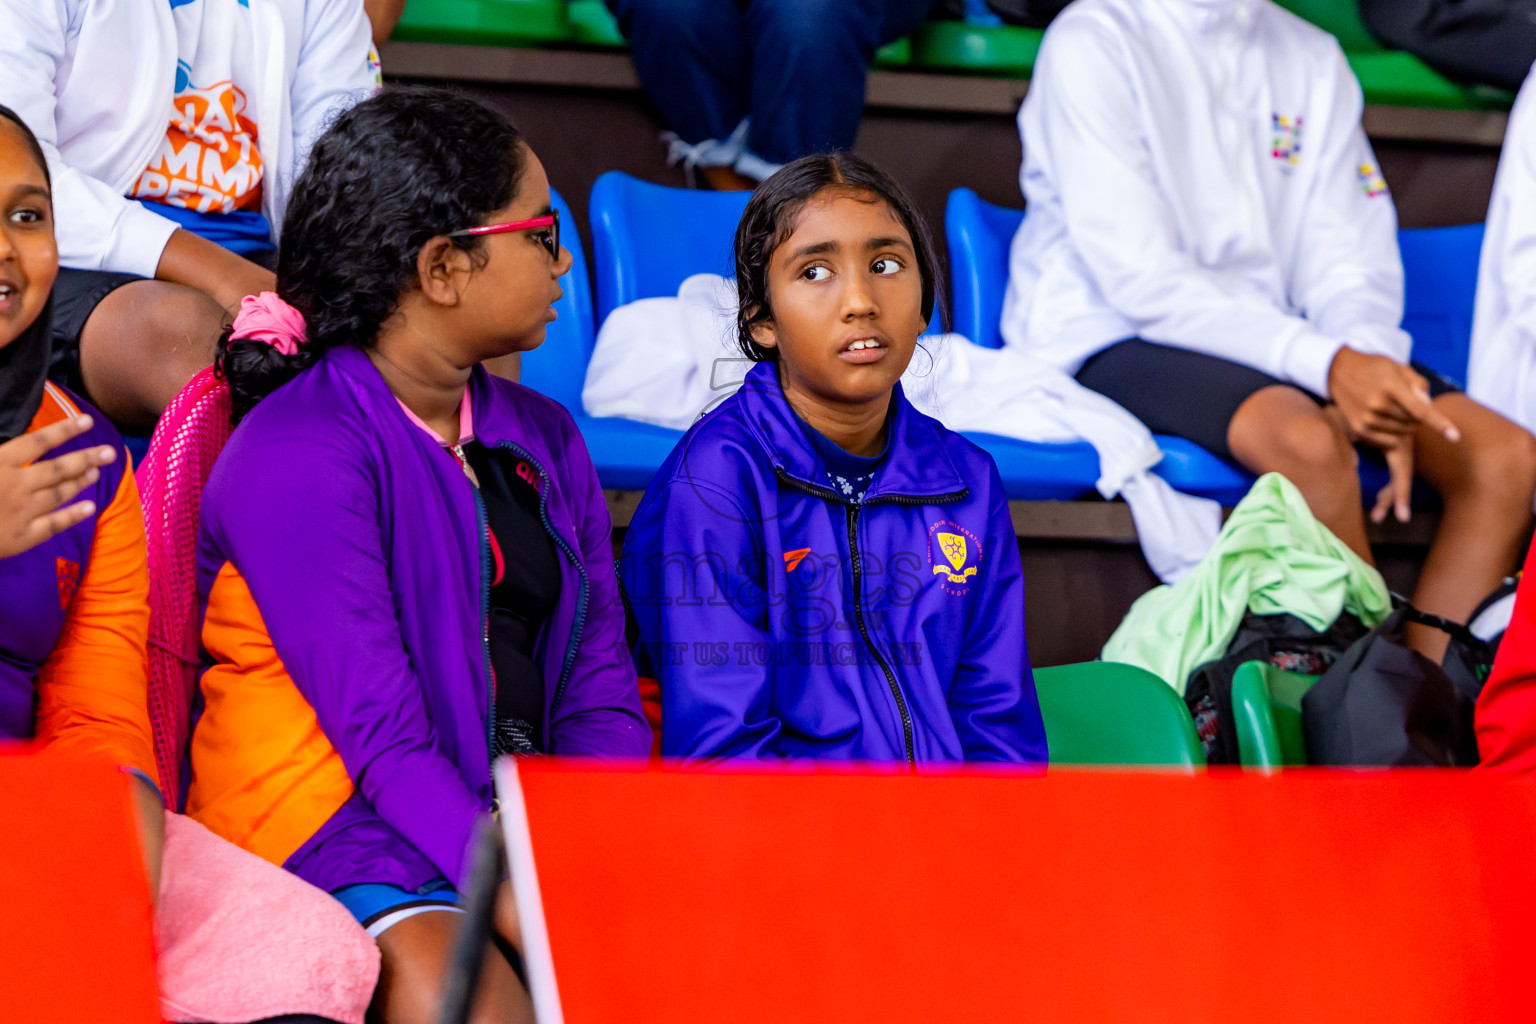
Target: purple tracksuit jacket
[364,550]
[783,620]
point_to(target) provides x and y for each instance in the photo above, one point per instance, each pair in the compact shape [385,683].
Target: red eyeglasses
[550,239]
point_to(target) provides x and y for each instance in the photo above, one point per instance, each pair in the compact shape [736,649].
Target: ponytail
[393,172]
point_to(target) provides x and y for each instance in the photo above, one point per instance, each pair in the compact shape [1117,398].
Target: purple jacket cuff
[445,835]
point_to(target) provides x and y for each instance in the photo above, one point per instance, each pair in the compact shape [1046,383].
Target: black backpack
[1384,704]
[1281,640]
[1469,657]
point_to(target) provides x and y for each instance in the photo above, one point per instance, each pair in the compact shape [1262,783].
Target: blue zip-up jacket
[783,621]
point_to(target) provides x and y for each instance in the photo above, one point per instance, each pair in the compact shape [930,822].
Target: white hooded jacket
[1196,175]
[1502,371]
[94,79]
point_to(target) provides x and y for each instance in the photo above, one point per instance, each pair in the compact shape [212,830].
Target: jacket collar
[917,464]
[497,418]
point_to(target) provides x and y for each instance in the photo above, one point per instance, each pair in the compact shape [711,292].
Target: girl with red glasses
[405,561]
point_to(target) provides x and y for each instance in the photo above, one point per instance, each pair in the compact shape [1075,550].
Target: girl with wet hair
[850,562]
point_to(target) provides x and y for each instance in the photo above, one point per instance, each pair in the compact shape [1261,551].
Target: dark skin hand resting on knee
[1482,465]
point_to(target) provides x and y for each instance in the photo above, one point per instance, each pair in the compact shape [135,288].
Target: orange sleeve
[93,691]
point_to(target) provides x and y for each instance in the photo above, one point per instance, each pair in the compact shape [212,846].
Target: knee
[814,27]
[1314,447]
[671,15]
[1500,469]
[183,320]
[157,322]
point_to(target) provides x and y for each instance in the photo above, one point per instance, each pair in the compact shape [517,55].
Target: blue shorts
[379,907]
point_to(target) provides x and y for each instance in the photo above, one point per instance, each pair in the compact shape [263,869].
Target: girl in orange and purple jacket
[74,581]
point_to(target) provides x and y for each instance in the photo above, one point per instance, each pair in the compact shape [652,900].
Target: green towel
[1272,556]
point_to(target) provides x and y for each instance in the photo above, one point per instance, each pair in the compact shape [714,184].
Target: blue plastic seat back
[648,239]
[1440,288]
[558,368]
[979,235]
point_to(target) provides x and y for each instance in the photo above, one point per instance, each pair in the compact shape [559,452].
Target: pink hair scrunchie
[266,317]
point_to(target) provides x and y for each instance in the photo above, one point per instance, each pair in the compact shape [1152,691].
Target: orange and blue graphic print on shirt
[207,174]
[1371,181]
[208,160]
[1285,145]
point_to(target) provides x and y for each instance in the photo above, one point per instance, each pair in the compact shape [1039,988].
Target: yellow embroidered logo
[958,556]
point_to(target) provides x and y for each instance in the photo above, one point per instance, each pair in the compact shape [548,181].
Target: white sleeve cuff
[140,237]
[1392,342]
[1306,359]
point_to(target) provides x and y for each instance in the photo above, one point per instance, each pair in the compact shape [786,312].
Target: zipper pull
[457,451]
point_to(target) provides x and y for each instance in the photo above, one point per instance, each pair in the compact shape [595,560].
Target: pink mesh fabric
[186,442]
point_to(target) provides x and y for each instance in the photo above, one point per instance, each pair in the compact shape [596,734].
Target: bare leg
[142,344]
[1486,483]
[1282,430]
[412,976]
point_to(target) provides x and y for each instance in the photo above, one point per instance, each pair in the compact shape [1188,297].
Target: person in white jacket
[174,131]
[1502,371]
[1209,242]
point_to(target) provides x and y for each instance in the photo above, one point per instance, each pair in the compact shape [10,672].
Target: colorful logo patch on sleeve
[1285,140]
[1371,181]
[954,553]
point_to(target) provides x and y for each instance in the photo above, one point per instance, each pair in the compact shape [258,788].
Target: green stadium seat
[1341,17]
[1102,713]
[1396,78]
[593,24]
[485,22]
[894,55]
[1266,703]
[1391,77]
[1003,50]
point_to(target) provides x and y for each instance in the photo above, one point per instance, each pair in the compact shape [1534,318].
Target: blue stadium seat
[979,235]
[627,454]
[558,368]
[1440,271]
[1440,278]
[647,239]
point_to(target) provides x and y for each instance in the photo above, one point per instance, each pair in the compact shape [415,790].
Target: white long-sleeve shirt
[1502,372]
[1196,175]
[95,79]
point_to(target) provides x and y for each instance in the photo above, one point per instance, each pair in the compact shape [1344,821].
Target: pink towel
[242,939]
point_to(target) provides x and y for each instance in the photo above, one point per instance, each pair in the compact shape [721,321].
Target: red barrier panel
[76,939]
[1074,897]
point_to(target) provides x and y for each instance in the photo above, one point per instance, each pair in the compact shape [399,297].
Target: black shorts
[76,294]
[1190,394]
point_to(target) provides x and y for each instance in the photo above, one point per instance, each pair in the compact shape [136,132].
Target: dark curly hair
[770,219]
[390,173]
